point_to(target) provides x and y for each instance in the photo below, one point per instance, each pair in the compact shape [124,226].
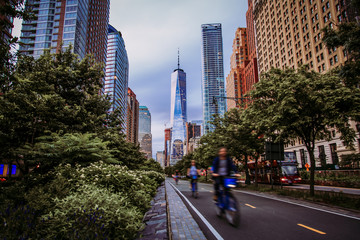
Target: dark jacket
[230,165]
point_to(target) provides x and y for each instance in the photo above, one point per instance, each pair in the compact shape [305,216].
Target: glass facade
[117,73]
[64,22]
[178,116]
[212,87]
[145,137]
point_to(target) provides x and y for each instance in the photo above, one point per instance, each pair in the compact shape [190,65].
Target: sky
[153,31]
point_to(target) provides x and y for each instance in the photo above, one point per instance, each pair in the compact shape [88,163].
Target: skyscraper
[132,118]
[235,81]
[178,114]
[117,71]
[145,137]
[6,22]
[167,146]
[80,23]
[213,89]
[251,69]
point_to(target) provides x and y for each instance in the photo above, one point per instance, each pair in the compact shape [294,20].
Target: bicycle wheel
[218,210]
[232,211]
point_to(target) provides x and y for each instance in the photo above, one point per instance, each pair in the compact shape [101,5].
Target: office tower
[117,72]
[213,89]
[132,118]
[160,155]
[193,134]
[80,23]
[167,147]
[251,69]
[288,34]
[235,81]
[145,137]
[178,114]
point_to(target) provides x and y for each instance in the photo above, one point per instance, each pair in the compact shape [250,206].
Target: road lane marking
[210,227]
[298,204]
[310,228]
[249,205]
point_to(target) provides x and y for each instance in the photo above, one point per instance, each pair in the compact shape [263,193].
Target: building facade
[235,81]
[145,137]
[213,84]
[193,131]
[117,74]
[251,69]
[132,118]
[160,157]
[178,114]
[167,147]
[288,34]
[80,23]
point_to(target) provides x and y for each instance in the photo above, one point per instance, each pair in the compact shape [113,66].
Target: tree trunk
[310,148]
[247,179]
[256,172]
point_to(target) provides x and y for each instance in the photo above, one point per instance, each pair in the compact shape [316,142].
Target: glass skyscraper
[178,115]
[145,137]
[117,72]
[212,87]
[80,23]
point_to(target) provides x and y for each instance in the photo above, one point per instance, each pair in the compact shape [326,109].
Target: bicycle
[194,186]
[227,203]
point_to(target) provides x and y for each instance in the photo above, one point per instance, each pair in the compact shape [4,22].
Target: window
[331,61]
[336,58]
[334,156]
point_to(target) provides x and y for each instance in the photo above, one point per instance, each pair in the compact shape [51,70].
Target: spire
[178,58]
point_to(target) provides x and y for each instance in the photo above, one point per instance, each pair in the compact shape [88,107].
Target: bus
[280,172]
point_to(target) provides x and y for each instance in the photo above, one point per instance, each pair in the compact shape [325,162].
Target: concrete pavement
[183,225]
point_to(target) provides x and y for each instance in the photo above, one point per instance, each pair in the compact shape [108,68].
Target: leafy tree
[7,57]
[70,148]
[347,35]
[53,93]
[297,104]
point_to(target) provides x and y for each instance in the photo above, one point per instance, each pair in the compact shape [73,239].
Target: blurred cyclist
[222,166]
[193,173]
[176,176]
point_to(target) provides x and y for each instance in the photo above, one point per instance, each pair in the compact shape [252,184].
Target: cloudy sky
[153,30]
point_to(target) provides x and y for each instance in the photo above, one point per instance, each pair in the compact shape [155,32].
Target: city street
[264,217]
[327,188]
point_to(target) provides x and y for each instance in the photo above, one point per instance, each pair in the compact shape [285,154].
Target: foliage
[346,35]
[98,201]
[289,104]
[51,94]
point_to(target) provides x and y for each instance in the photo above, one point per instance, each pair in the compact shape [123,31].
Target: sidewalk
[183,225]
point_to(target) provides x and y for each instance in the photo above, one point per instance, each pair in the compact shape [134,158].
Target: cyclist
[176,176]
[222,166]
[193,173]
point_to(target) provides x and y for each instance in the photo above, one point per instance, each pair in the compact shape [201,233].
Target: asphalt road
[264,218]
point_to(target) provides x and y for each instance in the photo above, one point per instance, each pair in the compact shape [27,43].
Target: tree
[57,92]
[297,104]
[237,134]
[347,35]
[9,10]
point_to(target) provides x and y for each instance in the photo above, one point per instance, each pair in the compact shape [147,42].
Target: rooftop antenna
[178,58]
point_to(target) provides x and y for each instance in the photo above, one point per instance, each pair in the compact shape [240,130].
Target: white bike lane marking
[208,225]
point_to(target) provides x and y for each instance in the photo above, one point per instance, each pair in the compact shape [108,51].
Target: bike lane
[265,218]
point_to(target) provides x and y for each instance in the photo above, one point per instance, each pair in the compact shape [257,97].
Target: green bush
[95,202]
[92,213]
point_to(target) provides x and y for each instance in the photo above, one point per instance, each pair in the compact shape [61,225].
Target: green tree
[347,35]
[53,93]
[297,104]
[70,148]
